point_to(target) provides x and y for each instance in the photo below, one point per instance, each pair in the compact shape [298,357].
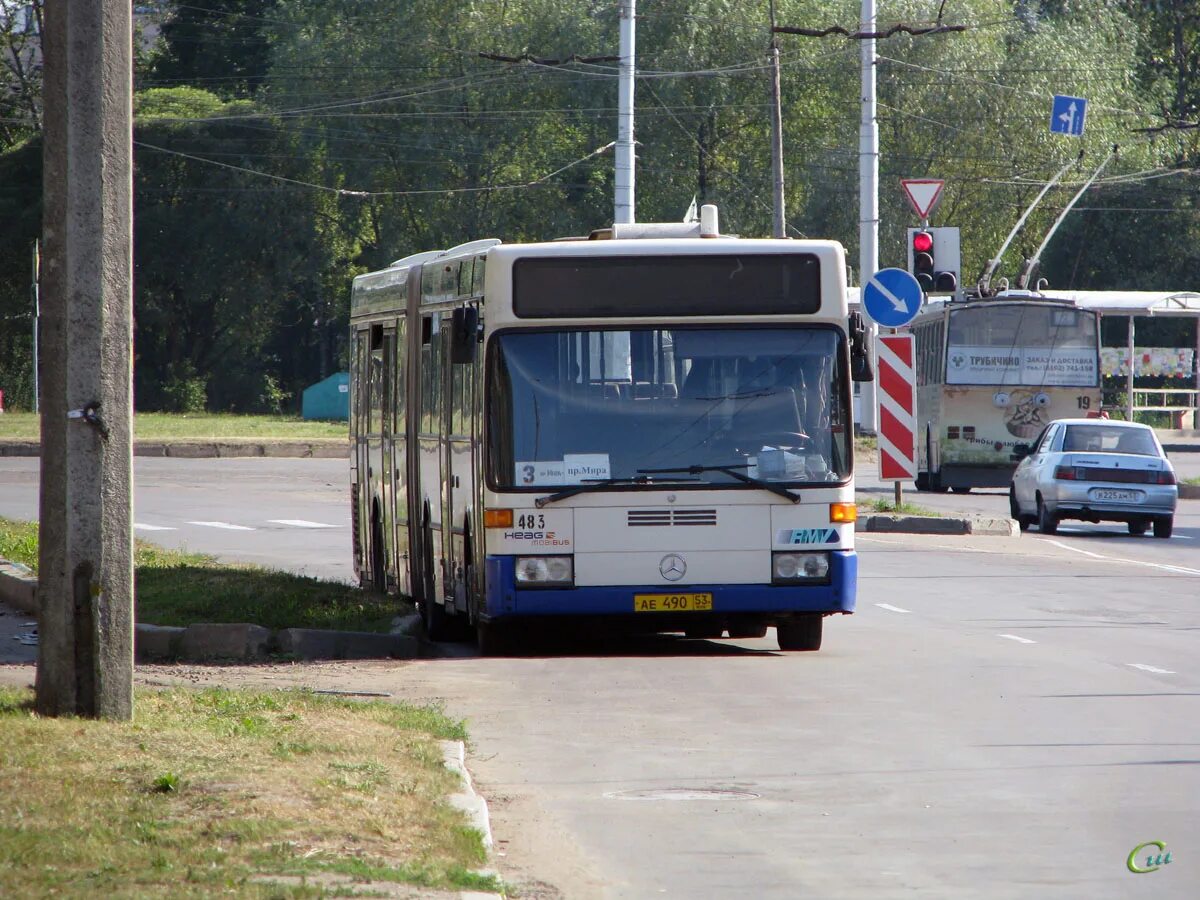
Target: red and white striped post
[897,433]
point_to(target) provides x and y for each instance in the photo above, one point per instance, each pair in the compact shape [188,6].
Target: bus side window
[400,375]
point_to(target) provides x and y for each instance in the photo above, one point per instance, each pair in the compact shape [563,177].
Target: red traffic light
[922,242]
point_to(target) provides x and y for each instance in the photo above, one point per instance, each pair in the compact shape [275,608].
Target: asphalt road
[291,514]
[1003,717]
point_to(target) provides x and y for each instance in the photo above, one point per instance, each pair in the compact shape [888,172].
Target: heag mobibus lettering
[538,538]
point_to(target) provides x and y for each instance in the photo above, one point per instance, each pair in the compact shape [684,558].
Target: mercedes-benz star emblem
[672,567]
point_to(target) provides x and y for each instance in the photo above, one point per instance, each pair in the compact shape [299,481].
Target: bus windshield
[1022,344]
[575,406]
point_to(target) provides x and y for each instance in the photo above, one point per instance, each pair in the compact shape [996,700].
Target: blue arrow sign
[1067,115]
[892,297]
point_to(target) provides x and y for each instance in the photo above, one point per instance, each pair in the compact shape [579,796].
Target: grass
[865,443]
[905,508]
[1195,480]
[201,427]
[231,793]
[177,588]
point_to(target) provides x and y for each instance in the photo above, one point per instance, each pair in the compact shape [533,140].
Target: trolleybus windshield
[574,406]
[1022,344]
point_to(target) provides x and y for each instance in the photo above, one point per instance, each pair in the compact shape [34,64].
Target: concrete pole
[623,212]
[778,227]
[868,195]
[85,578]
[1129,351]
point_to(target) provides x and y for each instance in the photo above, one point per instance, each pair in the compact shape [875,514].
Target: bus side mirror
[860,355]
[1020,451]
[464,328]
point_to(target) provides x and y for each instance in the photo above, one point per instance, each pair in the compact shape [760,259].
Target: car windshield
[577,406]
[1109,439]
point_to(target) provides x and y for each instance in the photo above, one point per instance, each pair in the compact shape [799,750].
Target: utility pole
[33,289]
[868,195]
[623,213]
[778,218]
[85,573]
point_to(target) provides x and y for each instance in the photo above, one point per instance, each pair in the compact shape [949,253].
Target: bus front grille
[638,518]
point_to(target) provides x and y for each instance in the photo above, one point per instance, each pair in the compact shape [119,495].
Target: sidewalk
[324,448]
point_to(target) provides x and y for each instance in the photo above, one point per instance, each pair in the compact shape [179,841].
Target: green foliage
[286,145]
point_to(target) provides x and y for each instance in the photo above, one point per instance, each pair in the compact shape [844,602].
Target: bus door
[369,453]
[387,430]
[400,481]
[427,513]
[459,463]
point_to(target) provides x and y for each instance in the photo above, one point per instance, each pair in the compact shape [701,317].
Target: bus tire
[961,489]
[1047,521]
[703,632]
[438,626]
[800,633]
[922,481]
[377,576]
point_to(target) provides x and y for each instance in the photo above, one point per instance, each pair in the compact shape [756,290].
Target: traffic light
[934,258]
[920,258]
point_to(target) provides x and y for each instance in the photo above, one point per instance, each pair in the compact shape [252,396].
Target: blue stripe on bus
[503,598]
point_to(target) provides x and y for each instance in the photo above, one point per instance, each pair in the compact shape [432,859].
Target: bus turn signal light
[843,512]
[497,518]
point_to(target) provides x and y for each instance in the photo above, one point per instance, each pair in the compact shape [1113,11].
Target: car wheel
[1137,527]
[800,633]
[1014,510]
[1047,521]
[1164,526]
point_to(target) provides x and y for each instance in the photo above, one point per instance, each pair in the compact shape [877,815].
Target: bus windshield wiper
[593,484]
[732,472]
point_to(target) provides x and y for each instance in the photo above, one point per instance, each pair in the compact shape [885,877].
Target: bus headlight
[550,571]
[795,568]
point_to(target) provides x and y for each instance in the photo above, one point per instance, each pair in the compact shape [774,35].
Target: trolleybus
[642,427]
[990,374]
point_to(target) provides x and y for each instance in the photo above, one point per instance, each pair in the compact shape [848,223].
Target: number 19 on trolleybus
[648,428]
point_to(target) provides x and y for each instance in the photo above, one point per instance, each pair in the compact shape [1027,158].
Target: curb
[238,641]
[330,448]
[454,755]
[983,525]
[1189,492]
[473,805]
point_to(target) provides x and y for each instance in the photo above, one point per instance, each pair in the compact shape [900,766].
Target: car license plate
[1117,496]
[672,602]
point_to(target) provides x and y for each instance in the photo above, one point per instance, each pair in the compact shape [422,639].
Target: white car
[1095,470]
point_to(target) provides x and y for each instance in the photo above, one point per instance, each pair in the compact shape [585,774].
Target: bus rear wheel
[800,633]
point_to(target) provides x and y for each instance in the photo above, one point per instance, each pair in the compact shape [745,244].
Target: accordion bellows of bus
[648,428]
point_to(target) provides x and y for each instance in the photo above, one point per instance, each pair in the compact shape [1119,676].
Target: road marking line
[143,527]
[1153,669]
[892,608]
[1182,570]
[1013,637]
[301,523]
[225,525]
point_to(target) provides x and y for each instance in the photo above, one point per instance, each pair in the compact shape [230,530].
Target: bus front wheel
[800,633]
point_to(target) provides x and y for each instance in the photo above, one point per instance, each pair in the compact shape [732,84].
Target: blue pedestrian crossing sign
[892,297]
[1067,115]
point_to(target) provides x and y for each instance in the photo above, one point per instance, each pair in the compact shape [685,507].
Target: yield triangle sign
[923,193]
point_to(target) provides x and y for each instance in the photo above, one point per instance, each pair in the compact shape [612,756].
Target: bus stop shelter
[1134,305]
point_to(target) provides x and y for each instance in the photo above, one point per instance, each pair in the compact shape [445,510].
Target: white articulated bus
[990,374]
[651,430]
